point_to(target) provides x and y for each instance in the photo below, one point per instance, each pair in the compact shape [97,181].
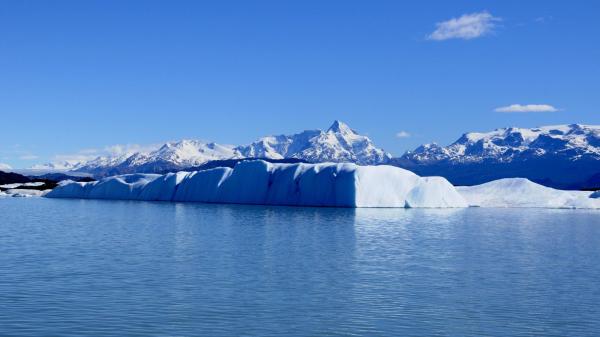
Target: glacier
[327,184]
[18,192]
[521,192]
[263,183]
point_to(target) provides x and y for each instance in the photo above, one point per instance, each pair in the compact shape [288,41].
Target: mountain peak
[509,144]
[338,144]
[340,127]
[559,156]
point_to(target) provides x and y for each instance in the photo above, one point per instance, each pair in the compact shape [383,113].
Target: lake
[125,268]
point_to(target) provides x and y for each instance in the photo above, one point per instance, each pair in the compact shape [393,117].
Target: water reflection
[88,267]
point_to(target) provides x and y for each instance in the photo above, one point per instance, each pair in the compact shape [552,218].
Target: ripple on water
[114,268]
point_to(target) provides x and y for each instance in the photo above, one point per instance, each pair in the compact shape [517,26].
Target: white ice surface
[520,192]
[259,182]
[329,184]
[23,193]
[15,185]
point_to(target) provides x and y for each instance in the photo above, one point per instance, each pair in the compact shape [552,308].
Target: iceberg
[24,193]
[263,183]
[521,192]
[17,185]
[329,185]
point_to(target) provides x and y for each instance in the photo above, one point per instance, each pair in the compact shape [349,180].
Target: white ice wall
[259,182]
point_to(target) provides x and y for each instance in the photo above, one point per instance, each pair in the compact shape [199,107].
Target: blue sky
[79,76]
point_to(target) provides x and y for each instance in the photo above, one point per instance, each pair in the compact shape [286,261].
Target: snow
[24,193]
[562,156]
[260,182]
[506,144]
[21,190]
[121,187]
[15,185]
[434,192]
[327,184]
[530,135]
[191,152]
[520,192]
[339,143]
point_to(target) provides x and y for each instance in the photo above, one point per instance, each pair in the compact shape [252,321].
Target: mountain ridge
[339,143]
[561,156]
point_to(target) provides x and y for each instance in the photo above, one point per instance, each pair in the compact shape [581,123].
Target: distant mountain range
[11,178]
[339,143]
[562,156]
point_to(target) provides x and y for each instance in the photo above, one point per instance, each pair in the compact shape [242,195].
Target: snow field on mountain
[509,144]
[339,143]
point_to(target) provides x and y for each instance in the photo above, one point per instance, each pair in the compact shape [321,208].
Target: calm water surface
[111,268]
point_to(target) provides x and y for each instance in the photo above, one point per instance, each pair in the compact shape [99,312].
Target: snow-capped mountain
[170,156]
[505,145]
[565,156]
[339,143]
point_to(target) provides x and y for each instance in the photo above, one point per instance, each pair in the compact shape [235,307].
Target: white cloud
[543,19]
[108,151]
[125,149]
[89,151]
[79,156]
[5,166]
[468,26]
[28,157]
[527,108]
[73,158]
[402,134]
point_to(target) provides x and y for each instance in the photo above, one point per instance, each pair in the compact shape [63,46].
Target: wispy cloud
[73,158]
[108,151]
[527,108]
[466,27]
[402,134]
[89,151]
[5,166]
[124,149]
[543,19]
[28,157]
[16,151]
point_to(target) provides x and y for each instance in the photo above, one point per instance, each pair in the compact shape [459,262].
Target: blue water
[112,268]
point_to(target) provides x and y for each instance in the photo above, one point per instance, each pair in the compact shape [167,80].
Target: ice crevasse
[260,182]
